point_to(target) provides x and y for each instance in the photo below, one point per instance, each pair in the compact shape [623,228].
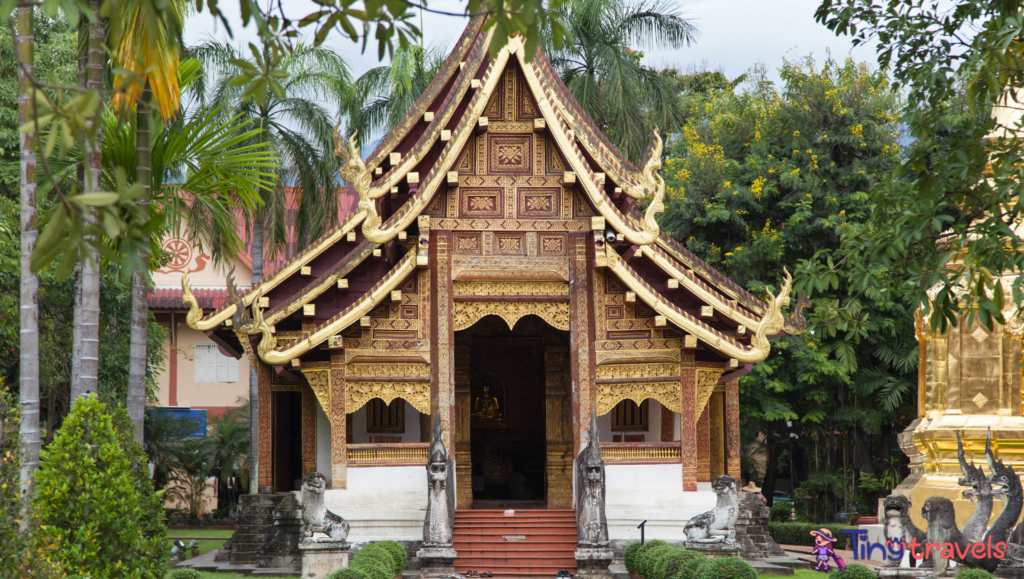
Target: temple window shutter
[213,367]
[629,416]
[381,417]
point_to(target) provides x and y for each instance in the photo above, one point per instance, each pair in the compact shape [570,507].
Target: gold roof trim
[195,318]
[759,347]
[380,292]
[649,230]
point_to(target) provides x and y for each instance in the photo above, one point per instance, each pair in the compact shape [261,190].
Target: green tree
[762,178]
[300,130]
[93,515]
[946,217]
[383,95]
[602,69]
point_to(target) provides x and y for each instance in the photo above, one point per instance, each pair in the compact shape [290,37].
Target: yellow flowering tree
[764,176]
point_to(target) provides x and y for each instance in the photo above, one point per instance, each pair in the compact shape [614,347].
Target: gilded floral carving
[706,381]
[511,288]
[608,395]
[415,393]
[354,371]
[320,383]
[633,371]
[469,313]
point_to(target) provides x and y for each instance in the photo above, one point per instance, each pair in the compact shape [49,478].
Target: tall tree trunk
[254,430]
[29,310]
[89,299]
[76,321]
[140,289]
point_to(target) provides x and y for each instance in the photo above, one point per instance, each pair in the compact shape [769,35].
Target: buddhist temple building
[502,273]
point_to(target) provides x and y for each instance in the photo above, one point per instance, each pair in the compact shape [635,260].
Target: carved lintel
[468,313]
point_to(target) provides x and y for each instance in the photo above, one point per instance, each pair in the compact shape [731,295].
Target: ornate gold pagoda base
[930,443]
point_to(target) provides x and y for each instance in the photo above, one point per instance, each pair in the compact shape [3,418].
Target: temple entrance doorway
[508,405]
[286,408]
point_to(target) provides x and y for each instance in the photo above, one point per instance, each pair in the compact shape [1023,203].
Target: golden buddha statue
[486,406]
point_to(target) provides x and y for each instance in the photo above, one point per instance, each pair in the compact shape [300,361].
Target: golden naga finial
[353,170]
[195,313]
[653,182]
[773,319]
[269,341]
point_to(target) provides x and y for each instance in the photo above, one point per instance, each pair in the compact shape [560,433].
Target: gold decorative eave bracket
[755,352]
[380,293]
[585,177]
[195,318]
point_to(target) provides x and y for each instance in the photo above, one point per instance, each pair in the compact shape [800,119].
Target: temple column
[581,338]
[732,428]
[339,419]
[266,453]
[688,419]
[463,449]
[308,430]
[442,363]
[703,447]
[557,428]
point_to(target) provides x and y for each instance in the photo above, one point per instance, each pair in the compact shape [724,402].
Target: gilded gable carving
[667,393]
[707,380]
[468,313]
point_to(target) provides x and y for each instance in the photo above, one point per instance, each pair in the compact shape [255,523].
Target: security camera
[609,235]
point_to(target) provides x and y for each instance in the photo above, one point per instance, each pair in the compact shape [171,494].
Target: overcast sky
[734,34]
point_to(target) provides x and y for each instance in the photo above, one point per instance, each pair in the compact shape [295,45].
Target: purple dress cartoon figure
[823,541]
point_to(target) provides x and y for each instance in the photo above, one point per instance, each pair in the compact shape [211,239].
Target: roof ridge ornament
[773,319]
[354,171]
[653,183]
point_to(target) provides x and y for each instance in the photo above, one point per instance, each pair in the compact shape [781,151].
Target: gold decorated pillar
[463,449]
[581,338]
[716,434]
[688,419]
[338,419]
[442,363]
[265,419]
[703,447]
[732,428]
[558,428]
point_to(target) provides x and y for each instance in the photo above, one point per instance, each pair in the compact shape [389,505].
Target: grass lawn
[804,574]
[173,531]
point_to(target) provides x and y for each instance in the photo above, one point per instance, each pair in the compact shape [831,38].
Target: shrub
[398,553]
[379,554]
[647,555]
[669,564]
[629,556]
[780,512]
[184,574]
[800,534]
[854,571]
[348,573]
[375,569]
[727,568]
[973,574]
[691,568]
[88,503]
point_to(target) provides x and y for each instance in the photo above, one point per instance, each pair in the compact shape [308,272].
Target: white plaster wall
[323,443]
[387,502]
[653,492]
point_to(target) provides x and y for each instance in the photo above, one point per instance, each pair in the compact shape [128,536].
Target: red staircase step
[548,544]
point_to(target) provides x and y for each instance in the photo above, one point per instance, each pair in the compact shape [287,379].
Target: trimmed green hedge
[727,568]
[800,534]
[781,512]
[973,574]
[381,560]
[629,556]
[854,571]
[659,560]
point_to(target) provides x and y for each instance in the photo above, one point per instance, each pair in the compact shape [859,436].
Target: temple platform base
[436,562]
[319,560]
[594,563]
[715,550]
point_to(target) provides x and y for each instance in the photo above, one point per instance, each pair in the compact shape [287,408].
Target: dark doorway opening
[507,414]
[287,441]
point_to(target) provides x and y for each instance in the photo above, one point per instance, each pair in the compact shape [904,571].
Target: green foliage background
[762,177]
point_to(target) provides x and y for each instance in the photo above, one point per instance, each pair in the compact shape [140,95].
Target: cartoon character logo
[823,550]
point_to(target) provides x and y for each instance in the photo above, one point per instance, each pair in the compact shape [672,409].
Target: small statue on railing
[316,517]
[590,488]
[439,525]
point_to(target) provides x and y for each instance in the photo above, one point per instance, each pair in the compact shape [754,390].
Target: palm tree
[382,95]
[29,370]
[603,71]
[307,153]
[86,346]
[148,48]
